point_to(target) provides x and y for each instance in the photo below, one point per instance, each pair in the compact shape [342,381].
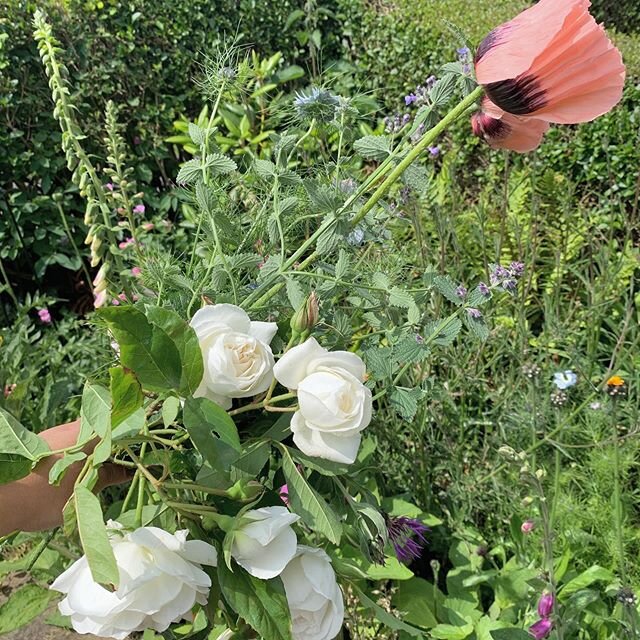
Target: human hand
[32,504]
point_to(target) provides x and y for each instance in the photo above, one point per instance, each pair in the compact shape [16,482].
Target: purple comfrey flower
[44,315]
[139,208]
[407,537]
[483,289]
[541,629]
[545,605]
[461,291]
[410,99]
[476,314]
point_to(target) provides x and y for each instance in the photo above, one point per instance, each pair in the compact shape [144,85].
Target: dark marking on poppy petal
[484,126]
[519,96]
[488,43]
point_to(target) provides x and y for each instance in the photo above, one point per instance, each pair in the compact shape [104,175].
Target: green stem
[141,487]
[65,223]
[257,298]
[617,501]
[8,286]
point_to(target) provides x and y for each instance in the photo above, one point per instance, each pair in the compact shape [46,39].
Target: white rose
[313,594]
[161,579]
[238,362]
[334,404]
[264,541]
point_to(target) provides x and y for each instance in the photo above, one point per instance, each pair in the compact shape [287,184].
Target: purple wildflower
[476,314]
[407,535]
[44,315]
[541,629]
[463,52]
[545,605]
[431,81]
[527,526]
[434,151]
[483,289]
[461,291]
[109,186]
[410,99]
[517,268]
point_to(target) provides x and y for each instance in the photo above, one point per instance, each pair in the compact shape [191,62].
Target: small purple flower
[407,537]
[44,315]
[483,289]
[410,99]
[463,53]
[109,186]
[431,81]
[461,291]
[517,268]
[137,140]
[434,151]
[139,208]
[476,314]
[545,605]
[541,629]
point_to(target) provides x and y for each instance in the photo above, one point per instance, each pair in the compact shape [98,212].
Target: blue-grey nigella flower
[318,103]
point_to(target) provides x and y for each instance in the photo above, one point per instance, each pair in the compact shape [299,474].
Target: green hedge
[144,55]
[624,15]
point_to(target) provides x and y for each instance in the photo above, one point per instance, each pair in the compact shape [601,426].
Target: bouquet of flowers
[250,363]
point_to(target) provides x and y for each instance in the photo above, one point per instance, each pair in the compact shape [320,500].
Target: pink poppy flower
[552,63]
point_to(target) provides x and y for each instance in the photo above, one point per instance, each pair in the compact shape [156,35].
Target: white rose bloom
[314,597]
[161,579]
[334,404]
[264,541]
[238,362]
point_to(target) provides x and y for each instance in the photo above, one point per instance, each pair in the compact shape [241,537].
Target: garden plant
[348,372]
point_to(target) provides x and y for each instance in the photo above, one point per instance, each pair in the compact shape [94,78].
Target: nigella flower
[552,63]
[407,535]
[564,379]
[318,103]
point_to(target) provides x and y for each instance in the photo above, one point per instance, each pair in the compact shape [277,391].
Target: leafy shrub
[624,15]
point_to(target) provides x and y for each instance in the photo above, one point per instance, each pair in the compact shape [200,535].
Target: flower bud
[527,526]
[306,317]
[545,605]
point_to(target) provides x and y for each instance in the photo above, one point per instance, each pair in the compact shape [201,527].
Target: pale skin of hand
[32,504]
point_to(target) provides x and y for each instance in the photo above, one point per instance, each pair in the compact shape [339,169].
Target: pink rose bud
[545,605]
[528,526]
[45,316]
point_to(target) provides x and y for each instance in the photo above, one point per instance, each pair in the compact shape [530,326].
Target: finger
[112,474]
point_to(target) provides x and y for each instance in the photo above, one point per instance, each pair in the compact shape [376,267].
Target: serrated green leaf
[189,172]
[373,147]
[379,362]
[443,333]
[196,134]
[405,401]
[94,537]
[218,165]
[295,293]
[400,298]
[264,168]
[308,503]
[448,288]
[261,603]
[477,326]
[342,265]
